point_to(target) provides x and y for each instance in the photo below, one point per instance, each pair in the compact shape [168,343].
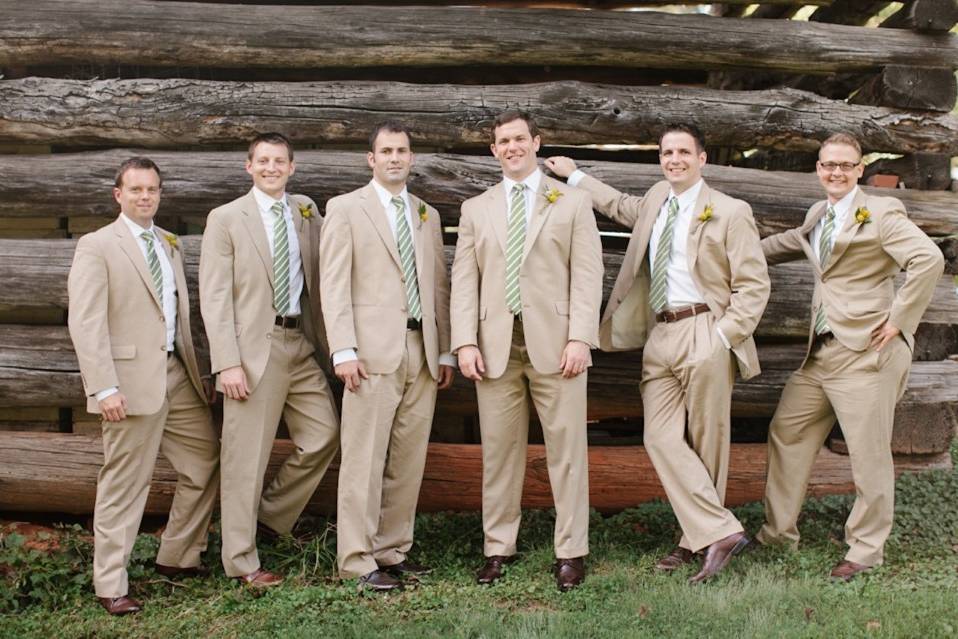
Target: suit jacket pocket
[562,308]
[126,351]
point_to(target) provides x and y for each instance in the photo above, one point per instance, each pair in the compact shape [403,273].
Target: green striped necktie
[153,261]
[825,252]
[280,261]
[658,294]
[516,240]
[407,256]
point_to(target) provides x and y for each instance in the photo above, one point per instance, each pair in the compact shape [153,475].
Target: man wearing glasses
[859,351]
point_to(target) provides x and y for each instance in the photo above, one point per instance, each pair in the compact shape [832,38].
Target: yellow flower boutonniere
[423,214]
[306,210]
[173,241]
[863,215]
[553,194]
[706,214]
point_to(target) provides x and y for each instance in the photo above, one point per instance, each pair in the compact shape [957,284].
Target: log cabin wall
[87,83]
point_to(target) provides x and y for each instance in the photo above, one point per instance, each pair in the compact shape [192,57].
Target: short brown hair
[271,137]
[685,127]
[842,138]
[137,162]
[511,116]
[390,126]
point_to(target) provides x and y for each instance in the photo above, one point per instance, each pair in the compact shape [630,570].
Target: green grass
[766,593]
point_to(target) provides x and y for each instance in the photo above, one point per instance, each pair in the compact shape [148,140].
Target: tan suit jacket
[363,285]
[116,319]
[857,283]
[724,262]
[560,277]
[236,285]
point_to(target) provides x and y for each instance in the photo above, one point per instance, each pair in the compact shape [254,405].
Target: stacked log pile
[86,84]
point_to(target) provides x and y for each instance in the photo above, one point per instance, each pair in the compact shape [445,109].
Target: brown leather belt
[682,313]
[287,322]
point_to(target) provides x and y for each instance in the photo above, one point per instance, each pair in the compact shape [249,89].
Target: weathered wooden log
[46,472]
[38,368]
[925,171]
[933,16]
[582,4]
[173,113]
[848,12]
[194,183]
[907,88]
[149,33]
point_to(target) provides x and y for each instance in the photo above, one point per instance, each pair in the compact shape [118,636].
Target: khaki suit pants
[504,426]
[687,378]
[860,389]
[294,386]
[385,435]
[183,431]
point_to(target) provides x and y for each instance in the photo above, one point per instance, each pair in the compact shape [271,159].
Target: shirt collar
[843,205]
[689,195]
[532,182]
[135,228]
[265,202]
[386,197]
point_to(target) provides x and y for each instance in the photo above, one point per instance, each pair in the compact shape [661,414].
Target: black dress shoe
[492,569]
[120,605]
[718,555]
[569,573]
[173,572]
[379,581]
[406,567]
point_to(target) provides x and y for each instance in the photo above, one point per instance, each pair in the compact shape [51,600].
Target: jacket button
[163,348]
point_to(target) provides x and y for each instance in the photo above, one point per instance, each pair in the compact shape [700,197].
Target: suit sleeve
[923,264]
[442,286]
[216,295]
[464,298]
[749,278]
[88,288]
[783,247]
[335,277]
[615,205]
[586,271]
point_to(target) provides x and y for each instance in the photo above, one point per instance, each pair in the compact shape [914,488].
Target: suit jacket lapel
[695,227]
[373,208]
[849,228]
[128,244]
[541,208]
[642,233]
[497,213]
[420,244]
[253,222]
[305,247]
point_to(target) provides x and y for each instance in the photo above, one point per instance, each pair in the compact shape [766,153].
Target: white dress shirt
[169,286]
[265,204]
[385,198]
[842,208]
[680,287]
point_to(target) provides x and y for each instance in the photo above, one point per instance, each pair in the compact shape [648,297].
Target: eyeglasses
[844,166]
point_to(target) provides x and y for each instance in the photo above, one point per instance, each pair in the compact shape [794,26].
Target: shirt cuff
[575,177]
[723,338]
[345,355]
[106,392]
[448,359]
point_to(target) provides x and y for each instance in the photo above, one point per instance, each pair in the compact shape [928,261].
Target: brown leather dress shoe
[406,568]
[379,581]
[845,570]
[124,605]
[675,559]
[492,569]
[569,573]
[260,578]
[718,555]
[173,572]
